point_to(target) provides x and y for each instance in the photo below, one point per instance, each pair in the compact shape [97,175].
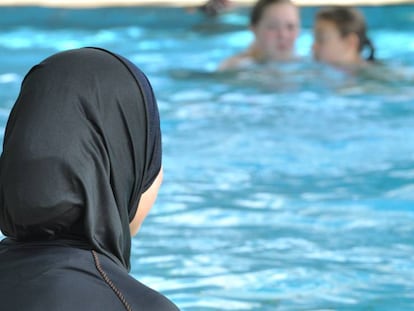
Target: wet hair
[259,8]
[349,20]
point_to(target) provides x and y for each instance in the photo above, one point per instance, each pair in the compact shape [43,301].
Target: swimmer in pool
[275,25]
[212,8]
[340,37]
[215,7]
[80,170]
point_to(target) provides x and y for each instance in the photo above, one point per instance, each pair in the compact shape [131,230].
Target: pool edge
[180,3]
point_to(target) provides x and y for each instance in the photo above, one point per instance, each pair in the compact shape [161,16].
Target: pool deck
[180,3]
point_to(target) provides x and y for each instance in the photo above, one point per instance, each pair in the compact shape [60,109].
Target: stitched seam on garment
[108,281]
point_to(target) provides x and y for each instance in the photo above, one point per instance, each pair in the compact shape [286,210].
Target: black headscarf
[82,144]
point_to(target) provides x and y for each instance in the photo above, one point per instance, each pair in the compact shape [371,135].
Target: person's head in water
[81,159]
[340,36]
[275,25]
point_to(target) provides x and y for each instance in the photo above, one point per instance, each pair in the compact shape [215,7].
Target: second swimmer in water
[340,38]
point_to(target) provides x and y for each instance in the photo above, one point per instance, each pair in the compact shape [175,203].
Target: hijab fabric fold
[82,144]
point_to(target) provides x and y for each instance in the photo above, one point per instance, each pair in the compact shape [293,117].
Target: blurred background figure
[340,37]
[275,25]
[212,8]
[215,7]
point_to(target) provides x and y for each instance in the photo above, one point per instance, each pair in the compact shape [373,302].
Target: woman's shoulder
[237,61]
[136,294]
[101,283]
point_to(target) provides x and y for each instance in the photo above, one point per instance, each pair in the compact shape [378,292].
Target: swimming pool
[287,187]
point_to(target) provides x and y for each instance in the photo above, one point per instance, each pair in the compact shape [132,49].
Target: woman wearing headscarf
[79,171]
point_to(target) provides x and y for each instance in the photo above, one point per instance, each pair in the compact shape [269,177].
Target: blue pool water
[289,187]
